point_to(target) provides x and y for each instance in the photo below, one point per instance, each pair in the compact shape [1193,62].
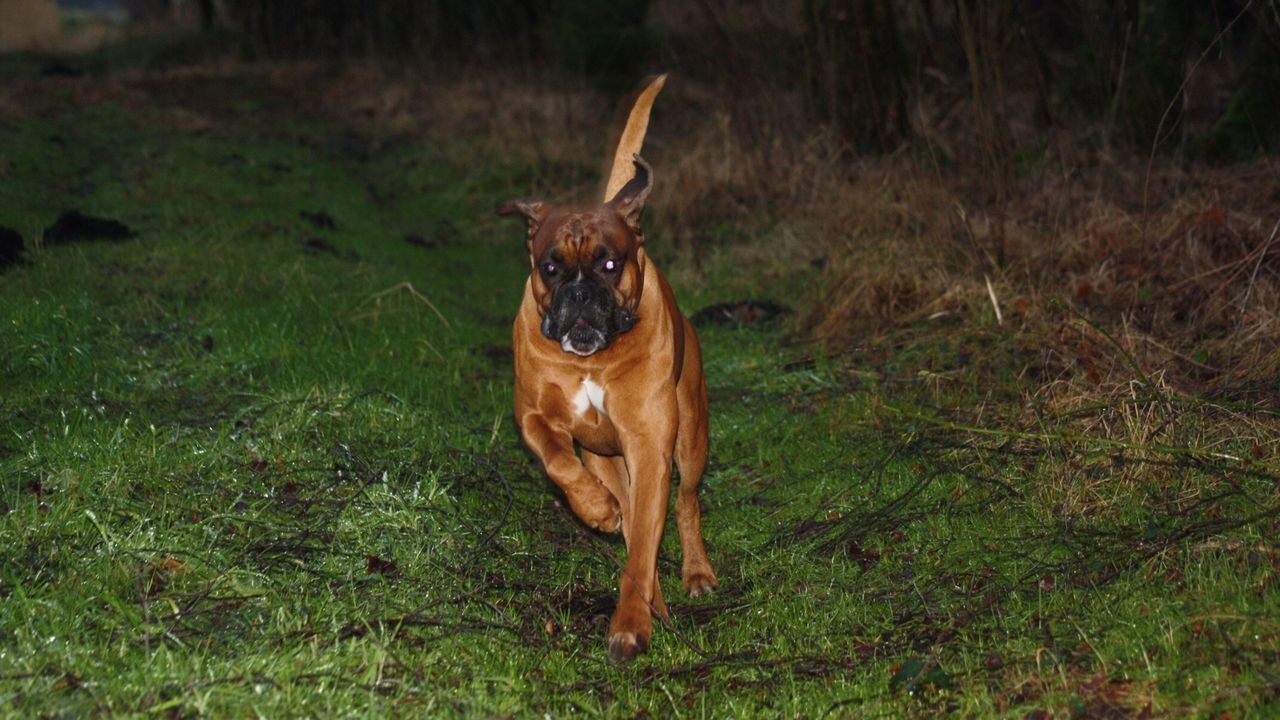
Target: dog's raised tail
[632,138]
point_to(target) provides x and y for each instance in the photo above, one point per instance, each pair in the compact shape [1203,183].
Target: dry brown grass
[1133,340]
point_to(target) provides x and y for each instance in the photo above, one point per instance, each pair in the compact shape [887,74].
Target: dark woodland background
[864,66]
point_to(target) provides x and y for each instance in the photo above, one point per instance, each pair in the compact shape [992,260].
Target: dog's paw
[699,583]
[613,523]
[625,646]
[631,628]
[596,507]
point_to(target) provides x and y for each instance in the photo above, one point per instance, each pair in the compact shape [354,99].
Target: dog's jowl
[604,359]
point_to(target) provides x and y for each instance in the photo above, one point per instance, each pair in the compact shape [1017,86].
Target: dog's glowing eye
[549,268]
[610,265]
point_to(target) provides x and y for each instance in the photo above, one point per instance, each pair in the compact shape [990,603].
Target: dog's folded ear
[533,211]
[629,202]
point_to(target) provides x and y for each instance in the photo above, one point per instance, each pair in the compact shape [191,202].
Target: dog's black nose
[577,294]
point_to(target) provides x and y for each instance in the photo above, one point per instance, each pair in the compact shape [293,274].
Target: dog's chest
[586,419]
[589,395]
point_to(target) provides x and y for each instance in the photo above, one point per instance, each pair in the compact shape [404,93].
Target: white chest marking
[589,395]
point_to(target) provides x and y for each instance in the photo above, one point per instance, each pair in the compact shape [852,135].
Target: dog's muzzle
[584,318]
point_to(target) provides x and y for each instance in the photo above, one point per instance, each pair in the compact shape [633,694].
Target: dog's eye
[549,268]
[610,265]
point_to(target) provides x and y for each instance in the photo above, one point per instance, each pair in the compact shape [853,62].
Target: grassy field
[259,461]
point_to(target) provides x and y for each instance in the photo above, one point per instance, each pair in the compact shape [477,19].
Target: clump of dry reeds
[1192,283]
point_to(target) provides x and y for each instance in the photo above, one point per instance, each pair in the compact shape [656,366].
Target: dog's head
[587,265]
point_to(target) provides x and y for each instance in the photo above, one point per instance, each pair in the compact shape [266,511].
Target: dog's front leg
[648,458]
[589,499]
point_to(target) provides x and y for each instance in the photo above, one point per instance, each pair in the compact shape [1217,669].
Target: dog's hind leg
[691,460]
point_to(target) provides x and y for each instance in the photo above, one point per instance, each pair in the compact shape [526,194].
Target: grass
[254,465]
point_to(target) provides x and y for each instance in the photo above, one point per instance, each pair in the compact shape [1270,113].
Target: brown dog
[604,359]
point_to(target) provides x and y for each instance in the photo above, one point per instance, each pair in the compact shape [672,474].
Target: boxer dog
[605,363]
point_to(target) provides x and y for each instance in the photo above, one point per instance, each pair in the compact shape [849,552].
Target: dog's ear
[533,212]
[629,202]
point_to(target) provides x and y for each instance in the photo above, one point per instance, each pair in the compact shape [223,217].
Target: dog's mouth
[585,329]
[583,340]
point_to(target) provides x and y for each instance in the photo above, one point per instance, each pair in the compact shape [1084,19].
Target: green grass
[243,478]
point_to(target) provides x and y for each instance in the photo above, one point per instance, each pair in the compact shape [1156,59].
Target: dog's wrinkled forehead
[577,235]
